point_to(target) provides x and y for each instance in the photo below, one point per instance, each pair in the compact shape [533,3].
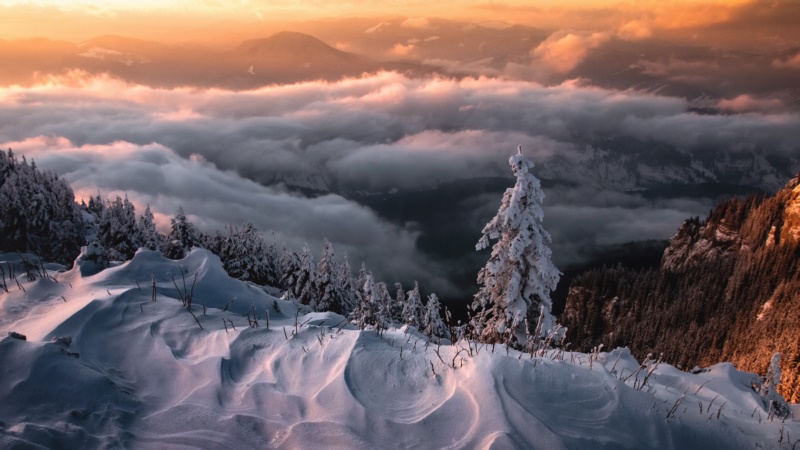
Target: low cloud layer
[216,152]
[155,175]
[383,131]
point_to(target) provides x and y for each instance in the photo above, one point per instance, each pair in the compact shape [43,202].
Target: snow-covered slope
[135,373]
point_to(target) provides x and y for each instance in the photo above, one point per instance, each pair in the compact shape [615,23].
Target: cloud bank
[155,175]
[223,154]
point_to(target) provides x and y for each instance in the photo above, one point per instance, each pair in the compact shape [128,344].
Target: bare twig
[195,318]
[675,406]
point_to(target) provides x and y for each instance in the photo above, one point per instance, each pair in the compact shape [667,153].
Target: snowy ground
[143,374]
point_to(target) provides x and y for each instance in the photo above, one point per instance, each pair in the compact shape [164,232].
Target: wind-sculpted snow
[143,374]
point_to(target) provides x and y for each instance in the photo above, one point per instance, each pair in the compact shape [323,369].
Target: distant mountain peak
[289,42]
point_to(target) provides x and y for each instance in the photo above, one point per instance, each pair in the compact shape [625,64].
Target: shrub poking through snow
[15,335]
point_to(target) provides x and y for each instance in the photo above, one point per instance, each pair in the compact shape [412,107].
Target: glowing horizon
[76,20]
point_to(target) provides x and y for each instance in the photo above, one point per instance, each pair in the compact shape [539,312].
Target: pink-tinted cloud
[563,51]
[635,30]
[747,103]
[790,63]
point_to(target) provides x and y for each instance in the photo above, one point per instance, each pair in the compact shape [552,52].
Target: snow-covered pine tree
[364,313]
[346,282]
[399,304]
[181,238]
[518,278]
[151,238]
[243,254]
[382,307]
[412,308]
[67,224]
[346,274]
[432,323]
[38,213]
[96,206]
[290,268]
[332,296]
[304,289]
[117,230]
[361,279]
[272,261]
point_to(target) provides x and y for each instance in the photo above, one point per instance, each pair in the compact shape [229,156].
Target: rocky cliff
[727,289]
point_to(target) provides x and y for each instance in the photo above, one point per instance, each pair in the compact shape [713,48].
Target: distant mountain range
[284,57]
[332,49]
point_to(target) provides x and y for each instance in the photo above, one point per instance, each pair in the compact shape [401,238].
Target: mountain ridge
[728,288]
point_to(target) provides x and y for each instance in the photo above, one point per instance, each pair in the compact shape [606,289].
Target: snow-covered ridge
[137,373]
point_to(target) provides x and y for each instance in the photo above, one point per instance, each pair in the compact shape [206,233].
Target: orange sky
[77,20]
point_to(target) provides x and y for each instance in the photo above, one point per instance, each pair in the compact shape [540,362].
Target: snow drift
[105,366]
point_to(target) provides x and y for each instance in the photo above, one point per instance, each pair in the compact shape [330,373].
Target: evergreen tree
[181,238]
[332,296]
[272,257]
[399,304]
[432,323]
[382,307]
[244,254]
[412,308]
[300,278]
[364,312]
[38,213]
[361,280]
[346,274]
[519,276]
[117,230]
[290,267]
[151,238]
[347,283]
[96,206]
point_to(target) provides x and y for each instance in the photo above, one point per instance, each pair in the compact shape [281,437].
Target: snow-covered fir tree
[360,281]
[243,253]
[382,306]
[399,303]
[518,278]
[38,213]
[272,255]
[364,312]
[151,239]
[290,269]
[117,230]
[432,323]
[181,238]
[96,206]
[346,274]
[412,308]
[346,281]
[300,277]
[332,296]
